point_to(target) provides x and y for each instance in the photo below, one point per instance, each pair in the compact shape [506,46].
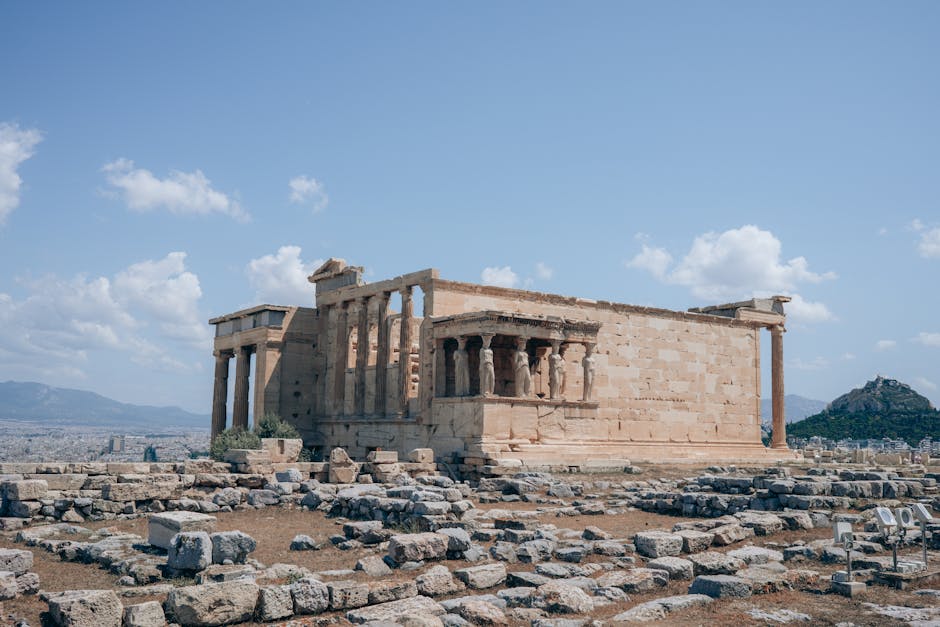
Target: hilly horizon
[796,408]
[38,402]
[882,408]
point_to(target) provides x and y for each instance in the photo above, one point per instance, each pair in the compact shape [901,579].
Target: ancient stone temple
[503,373]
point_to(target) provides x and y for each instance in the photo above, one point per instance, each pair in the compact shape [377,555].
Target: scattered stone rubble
[714,553]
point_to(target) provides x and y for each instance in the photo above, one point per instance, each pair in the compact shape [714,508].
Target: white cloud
[499,277]
[882,231]
[166,291]
[307,188]
[737,264]
[180,193]
[884,345]
[917,225]
[848,356]
[16,146]
[928,339]
[929,245]
[59,323]
[818,363]
[654,260]
[802,310]
[925,383]
[282,278]
[543,271]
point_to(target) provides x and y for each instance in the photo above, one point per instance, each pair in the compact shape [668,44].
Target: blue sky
[161,164]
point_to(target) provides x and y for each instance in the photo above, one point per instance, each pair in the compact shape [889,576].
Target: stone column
[340,356]
[240,407]
[487,369]
[381,360]
[362,356]
[778,437]
[220,392]
[461,368]
[522,375]
[404,350]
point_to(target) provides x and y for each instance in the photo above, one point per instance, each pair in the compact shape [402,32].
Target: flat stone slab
[396,611]
[657,609]
[720,586]
[162,527]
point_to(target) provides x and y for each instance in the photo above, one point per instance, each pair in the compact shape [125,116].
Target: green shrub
[233,438]
[273,426]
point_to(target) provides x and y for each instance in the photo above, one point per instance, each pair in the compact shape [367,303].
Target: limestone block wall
[662,376]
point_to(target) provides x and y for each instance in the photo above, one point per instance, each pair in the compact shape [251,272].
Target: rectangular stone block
[16,561]
[422,456]
[162,527]
[283,449]
[63,481]
[25,490]
[382,457]
[140,491]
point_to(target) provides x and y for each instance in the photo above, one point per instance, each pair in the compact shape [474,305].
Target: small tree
[270,425]
[233,438]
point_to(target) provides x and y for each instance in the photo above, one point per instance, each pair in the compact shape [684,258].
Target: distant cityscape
[22,441]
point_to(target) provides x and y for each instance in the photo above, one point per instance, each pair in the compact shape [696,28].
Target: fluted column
[404,350]
[220,392]
[362,356]
[778,437]
[242,371]
[381,359]
[340,356]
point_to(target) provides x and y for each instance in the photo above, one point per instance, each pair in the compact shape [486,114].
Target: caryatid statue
[588,363]
[556,371]
[461,368]
[487,369]
[523,378]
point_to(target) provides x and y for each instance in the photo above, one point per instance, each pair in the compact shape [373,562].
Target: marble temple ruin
[503,373]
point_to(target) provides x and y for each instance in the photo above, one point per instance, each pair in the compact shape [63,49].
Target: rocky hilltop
[882,408]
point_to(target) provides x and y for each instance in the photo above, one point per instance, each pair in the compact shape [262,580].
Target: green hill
[883,408]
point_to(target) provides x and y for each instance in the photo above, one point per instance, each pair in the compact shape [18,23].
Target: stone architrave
[461,368]
[523,376]
[589,365]
[556,371]
[487,369]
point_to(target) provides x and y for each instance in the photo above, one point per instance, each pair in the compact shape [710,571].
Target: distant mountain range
[795,408]
[882,408]
[36,402]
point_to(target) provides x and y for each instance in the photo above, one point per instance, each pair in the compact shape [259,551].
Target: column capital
[777,328]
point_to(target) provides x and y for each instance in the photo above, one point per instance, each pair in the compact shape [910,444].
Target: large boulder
[658,543]
[438,581]
[231,546]
[311,596]
[396,611]
[415,547]
[482,577]
[148,614]
[85,608]
[720,586]
[190,551]
[714,563]
[564,598]
[211,604]
[16,561]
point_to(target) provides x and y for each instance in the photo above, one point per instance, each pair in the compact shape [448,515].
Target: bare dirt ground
[273,528]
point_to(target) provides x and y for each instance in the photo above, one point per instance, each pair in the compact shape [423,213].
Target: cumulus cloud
[656,261]
[304,189]
[499,277]
[884,345]
[165,290]
[183,193]
[928,339]
[737,264]
[59,322]
[929,245]
[16,146]
[282,278]
[807,311]
[543,271]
